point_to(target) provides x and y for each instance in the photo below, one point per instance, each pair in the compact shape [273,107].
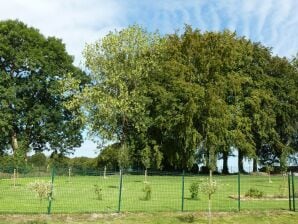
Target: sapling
[269,169]
[209,187]
[194,190]
[41,188]
[147,190]
[98,192]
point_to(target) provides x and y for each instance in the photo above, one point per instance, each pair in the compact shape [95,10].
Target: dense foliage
[33,115]
[164,102]
[172,100]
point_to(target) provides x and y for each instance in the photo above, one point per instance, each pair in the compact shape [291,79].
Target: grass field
[77,194]
[276,217]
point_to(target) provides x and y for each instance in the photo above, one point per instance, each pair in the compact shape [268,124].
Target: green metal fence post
[293,192]
[120,192]
[289,187]
[182,197]
[238,191]
[51,193]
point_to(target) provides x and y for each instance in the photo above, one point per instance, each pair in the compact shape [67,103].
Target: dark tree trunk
[255,165]
[225,168]
[240,161]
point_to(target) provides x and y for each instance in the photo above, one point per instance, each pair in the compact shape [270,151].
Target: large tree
[31,104]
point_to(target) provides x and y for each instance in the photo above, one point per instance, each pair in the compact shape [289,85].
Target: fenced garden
[64,191]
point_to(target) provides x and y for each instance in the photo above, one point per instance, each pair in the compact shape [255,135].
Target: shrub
[41,188]
[147,191]
[98,192]
[194,190]
[254,193]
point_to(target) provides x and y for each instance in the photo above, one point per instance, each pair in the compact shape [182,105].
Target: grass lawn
[276,217]
[77,194]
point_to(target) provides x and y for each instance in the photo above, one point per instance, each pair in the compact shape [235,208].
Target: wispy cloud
[272,22]
[74,21]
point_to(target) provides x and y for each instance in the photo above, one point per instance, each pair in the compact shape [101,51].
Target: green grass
[77,194]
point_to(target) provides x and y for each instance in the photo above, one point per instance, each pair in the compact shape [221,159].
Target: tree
[114,106]
[38,159]
[31,104]
[108,157]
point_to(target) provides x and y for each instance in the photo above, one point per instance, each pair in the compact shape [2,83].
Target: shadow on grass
[112,186]
[191,199]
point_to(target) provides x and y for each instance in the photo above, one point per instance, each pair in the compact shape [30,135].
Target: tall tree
[115,103]
[31,104]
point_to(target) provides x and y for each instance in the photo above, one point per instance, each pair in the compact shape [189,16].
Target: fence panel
[221,199]
[94,191]
[263,192]
[17,194]
[88,193]
[157,192]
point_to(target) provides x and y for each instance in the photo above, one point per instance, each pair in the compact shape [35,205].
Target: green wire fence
[65,191]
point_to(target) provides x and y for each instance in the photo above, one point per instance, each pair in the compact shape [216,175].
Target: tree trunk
[255,165]
[225,168]
[240,162]
[14,143]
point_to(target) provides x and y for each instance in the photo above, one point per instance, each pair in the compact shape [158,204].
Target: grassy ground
[277,217]
[77,194]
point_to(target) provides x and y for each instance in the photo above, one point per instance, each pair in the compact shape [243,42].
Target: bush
[147,190]
[194,190]
[41,188]
[254,193]
[98,192]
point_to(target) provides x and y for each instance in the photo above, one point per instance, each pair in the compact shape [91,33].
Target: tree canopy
[33,115]
[170,98]
[164,102]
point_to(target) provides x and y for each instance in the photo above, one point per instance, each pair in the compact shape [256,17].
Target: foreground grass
[277,217]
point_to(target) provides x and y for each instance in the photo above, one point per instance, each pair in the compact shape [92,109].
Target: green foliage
[208,187]
[147,189]
[194,190]
[109,157]
[38,159]
[98,192]
[163,98]
[254,193]
[31,103]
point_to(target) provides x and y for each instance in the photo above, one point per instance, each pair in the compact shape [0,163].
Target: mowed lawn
[77,194]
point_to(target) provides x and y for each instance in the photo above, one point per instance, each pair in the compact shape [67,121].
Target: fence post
[238,191]
[120,192]
[293,192]
[182,196]
[51,193]
[289,188]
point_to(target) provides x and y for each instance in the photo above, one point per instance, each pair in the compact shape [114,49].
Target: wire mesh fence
[104,191]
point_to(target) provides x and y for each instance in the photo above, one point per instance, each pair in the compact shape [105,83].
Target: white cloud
[74,21]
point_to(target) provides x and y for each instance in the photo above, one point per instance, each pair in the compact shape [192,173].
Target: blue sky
[274,23]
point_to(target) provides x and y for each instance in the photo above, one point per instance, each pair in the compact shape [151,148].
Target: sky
[274,23]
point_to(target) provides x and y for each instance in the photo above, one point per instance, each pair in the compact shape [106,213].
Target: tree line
[161,101]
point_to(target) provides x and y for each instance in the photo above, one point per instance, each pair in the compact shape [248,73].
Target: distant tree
[108,157]
[38,159]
